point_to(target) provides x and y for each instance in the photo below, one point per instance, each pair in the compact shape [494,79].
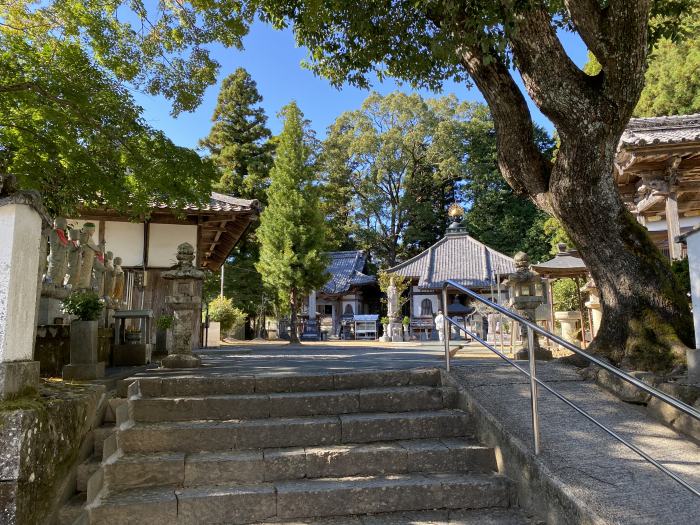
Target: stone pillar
[311,331]
[85,361]
[593,304]
[21,225]
[312,305]
[185,304]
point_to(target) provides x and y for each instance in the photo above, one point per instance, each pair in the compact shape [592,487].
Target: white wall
[125,240]
[163,240]
[418,299]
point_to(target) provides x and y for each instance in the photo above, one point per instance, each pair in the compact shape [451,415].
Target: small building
[657,170]
[147,248]
[457,257]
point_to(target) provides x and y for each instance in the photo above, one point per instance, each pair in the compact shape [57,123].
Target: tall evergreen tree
[291,230]
[239,140]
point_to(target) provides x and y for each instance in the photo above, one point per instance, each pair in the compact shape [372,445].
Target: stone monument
[88,252]
[526,290]
[53,290]
[185,304]
[99,270]
[74,258]
[22,220]
[593,304]
[392,304]
[311,328]
[109,278]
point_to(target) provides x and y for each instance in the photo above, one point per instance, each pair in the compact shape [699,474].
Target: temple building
[657,170]
[458,257]
[348,293]
[147,248]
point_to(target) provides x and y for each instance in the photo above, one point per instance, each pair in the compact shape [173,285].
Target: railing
[532,329]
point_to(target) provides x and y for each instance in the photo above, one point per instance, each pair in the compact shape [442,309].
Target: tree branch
[521,163]
[589,20]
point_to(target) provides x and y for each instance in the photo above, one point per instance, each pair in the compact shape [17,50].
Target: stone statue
[99,270]
[118,290]
[74,258]
[88,251]
[392,301]
[109,278]
[58,255]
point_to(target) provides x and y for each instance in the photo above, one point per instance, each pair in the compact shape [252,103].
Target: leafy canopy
[291,230]
[239,140]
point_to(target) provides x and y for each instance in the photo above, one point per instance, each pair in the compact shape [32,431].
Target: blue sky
[274,61]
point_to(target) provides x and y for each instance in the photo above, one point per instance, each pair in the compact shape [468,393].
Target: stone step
[194,385]
[256,466]
[100,434]
[495,516]
[213,436]
[240,504]
[86,469]
[72,512]
[256,406]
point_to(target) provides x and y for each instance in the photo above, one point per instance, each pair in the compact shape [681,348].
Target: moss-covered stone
[40,440]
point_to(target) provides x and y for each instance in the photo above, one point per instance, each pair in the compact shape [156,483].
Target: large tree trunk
[293,308]
[646,320]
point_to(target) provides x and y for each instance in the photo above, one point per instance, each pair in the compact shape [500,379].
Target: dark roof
[220,203]
[661,130]
[566,263]
[459,257]
[345,269]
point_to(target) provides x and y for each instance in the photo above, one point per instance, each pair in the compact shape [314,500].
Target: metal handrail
[535,382]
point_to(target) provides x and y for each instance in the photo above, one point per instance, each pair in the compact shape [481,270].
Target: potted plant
[406,322]
[86,306]
[163,334]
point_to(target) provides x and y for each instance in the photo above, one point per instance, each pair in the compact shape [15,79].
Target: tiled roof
[564,263]
[345,269]
[459,257]
[661,130]
[221,202]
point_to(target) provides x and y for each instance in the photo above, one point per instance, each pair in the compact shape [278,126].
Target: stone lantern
[185,302]
[527,292]
[593,304]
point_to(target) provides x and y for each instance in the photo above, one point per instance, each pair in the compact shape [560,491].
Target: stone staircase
[363,447]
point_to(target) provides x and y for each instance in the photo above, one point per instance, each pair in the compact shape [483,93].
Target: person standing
[440,325]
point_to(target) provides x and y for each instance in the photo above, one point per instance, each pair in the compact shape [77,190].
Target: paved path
[603,474]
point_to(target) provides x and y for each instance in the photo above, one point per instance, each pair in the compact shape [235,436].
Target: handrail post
[533,389]
[445,328]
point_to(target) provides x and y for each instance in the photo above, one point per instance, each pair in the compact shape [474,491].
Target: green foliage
[672,81]
[556,235]
[291,229]
[406,321]
[164,322]
[384,320]
[401,283]
[681,269]
[221,310]
[239,140]
[68,124]
[565,295]
[86,305]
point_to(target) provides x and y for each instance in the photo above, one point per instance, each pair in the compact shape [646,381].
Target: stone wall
[52,349]
[41,441]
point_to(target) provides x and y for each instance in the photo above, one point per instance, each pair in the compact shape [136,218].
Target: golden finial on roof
[455,211]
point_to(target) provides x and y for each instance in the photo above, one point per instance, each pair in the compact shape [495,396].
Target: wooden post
[673,225]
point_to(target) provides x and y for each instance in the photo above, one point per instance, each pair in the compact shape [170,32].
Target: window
[328,309]
[348,310]
[426,307]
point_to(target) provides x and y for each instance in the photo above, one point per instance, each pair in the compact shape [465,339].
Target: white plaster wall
[693,241]
[163,240]
[20,232]
[660,226]
[125,240]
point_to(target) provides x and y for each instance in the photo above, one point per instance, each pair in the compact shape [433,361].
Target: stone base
[50,312]
[18,378]
[181,361]
[84,372]
[132,354]
[541,354]
[396,331]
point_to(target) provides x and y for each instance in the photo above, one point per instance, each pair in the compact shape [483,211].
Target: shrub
[221,310]
[384,320]
[164,322]
[86,305]
[406,321]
